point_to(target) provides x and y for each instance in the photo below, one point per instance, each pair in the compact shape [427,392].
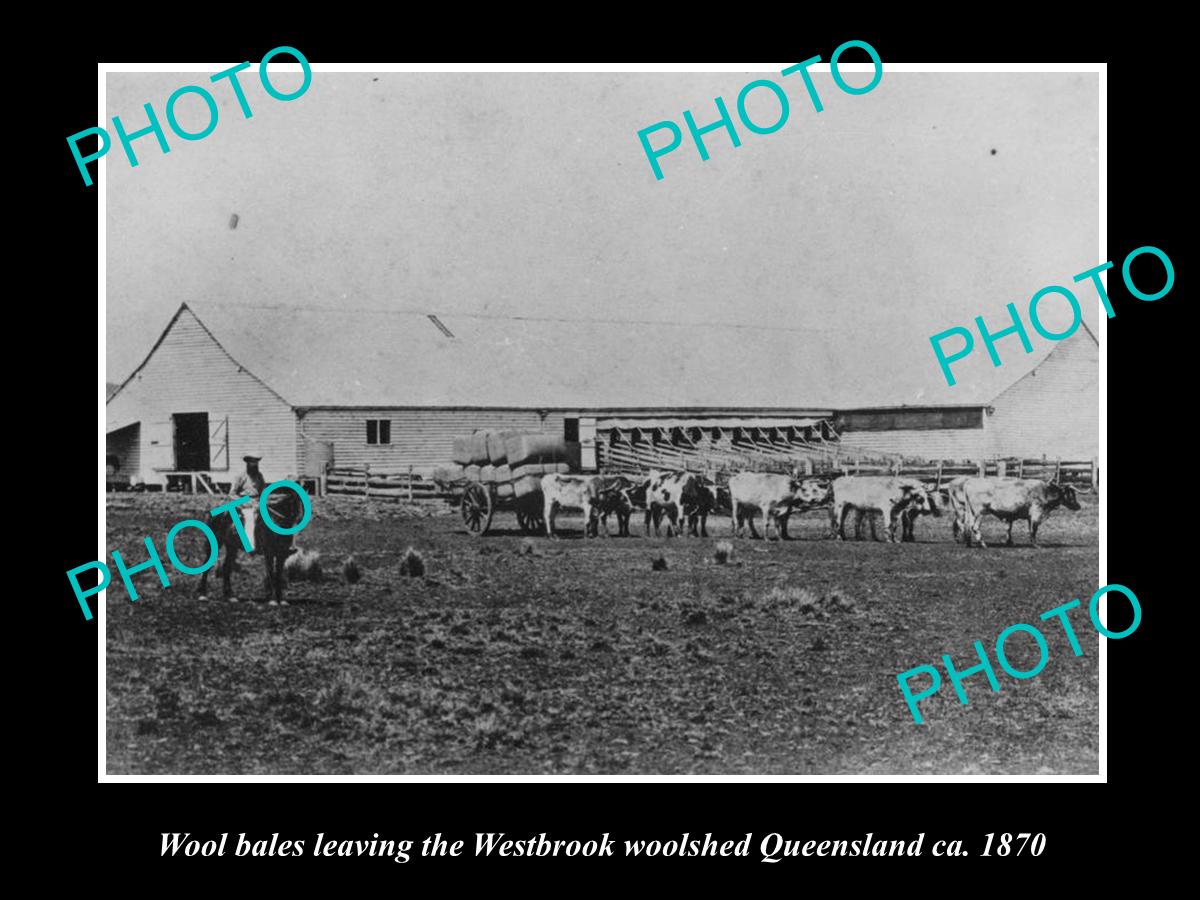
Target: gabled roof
[343,357]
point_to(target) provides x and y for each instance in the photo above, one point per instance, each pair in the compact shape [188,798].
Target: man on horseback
[249,484]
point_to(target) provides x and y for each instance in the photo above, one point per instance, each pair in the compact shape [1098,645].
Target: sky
[869,226]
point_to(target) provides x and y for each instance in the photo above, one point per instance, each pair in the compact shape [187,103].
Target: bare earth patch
[516,655]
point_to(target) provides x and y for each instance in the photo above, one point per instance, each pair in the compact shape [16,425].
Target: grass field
[523,655]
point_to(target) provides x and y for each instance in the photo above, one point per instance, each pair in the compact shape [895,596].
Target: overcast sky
[933,199]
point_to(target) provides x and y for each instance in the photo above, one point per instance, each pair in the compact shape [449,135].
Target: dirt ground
[523,655]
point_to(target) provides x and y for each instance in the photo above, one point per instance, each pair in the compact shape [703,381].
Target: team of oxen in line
[684,500]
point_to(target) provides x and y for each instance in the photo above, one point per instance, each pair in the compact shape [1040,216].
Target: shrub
[412,564]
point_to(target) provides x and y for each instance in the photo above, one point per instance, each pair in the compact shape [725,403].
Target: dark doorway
[571,430]
[191,442]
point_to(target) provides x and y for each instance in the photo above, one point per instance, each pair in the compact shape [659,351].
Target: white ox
[1010,499]
[772,496]
[889,496]
[588,493]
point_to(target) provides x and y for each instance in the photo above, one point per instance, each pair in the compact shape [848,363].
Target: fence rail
[720,463]
[403,484]
[381,483]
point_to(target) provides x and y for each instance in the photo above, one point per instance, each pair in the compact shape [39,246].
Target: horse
[286,510]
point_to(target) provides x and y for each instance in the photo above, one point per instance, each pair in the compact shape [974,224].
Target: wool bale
[448,473]
[542,448]
[487,474]
[504,489]
[471,449]
[540,469]
[471,473]
[496,446]
[526,485]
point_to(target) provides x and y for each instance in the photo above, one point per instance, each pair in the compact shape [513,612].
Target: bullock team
[682,501]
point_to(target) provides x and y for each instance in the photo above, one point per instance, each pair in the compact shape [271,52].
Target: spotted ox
[889,496]
[587,493]
[812,493]
[683,497]
[772,496]
[1010,499]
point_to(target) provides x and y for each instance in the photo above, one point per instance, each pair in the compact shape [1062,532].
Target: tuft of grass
[723,553]
[810,603]
[412,563]
[350,571]
[303,565]
[659,563]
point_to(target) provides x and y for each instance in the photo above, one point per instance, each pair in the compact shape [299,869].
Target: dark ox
[615,495]
[1011,499]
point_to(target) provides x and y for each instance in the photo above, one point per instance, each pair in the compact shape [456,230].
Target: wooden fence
[402,484]
[718,463]
[380,483]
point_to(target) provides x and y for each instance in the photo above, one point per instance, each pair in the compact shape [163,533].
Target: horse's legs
[227,571]
[280,559]
[272,590]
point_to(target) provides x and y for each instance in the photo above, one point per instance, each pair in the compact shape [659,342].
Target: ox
[935,500]
[588,493]
[684,497]
[1010,499]
[698,501]
[773,496]
[616,495]
[889,496]
[812,493]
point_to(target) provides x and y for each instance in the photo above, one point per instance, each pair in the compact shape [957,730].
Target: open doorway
[191,442]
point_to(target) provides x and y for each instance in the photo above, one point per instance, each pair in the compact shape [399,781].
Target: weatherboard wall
[189,372]
[420,437]
[1054,411]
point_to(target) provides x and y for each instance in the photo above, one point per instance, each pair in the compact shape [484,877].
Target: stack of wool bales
[513,461]
[530,456]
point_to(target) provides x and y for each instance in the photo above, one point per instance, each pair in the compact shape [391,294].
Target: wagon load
[447,474]
[471,449]
[497,446]
[524,449]
[539,469]
[504,469]
[495,474]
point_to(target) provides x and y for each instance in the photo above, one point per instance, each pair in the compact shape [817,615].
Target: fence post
[1021,467]
[1094,474]
[939,474]
[410,494]
[1001,467]
[367,480]
[982,468]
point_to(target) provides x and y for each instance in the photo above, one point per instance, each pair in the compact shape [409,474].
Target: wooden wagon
[480,502]
[486,482]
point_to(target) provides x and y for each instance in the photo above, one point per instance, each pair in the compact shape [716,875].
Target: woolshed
[313,388]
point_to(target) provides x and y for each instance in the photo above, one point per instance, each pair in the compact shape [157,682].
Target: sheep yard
[519,655]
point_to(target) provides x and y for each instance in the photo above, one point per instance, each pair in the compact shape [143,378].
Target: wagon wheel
[529,517]
[477,508]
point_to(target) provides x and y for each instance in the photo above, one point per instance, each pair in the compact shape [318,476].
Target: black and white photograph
[511,422]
